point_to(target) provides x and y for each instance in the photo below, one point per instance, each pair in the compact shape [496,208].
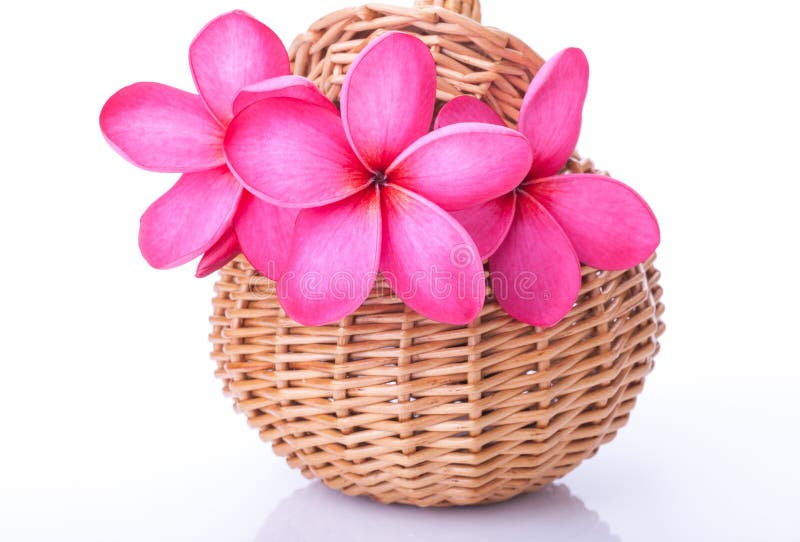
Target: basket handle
[468,8]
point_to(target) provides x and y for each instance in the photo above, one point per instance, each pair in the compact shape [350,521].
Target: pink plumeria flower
[374,185]
[235,60]
[536,236]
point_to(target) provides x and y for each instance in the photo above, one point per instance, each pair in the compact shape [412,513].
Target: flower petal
[488,223]
[287,86]
[536,275]
[467,109]
[429,260]
[610,225]
[161,128]
[334,259]
[189,218]
[265,234]
[463,165]
[552,110]
[388,97]
[231,52]
[293,154]
[219,255]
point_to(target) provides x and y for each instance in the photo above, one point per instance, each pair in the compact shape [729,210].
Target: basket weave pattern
[470,58]
[389,404]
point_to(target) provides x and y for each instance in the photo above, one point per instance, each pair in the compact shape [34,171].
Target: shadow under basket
[389,404]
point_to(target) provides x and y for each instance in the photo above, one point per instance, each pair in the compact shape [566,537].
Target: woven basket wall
[402,409]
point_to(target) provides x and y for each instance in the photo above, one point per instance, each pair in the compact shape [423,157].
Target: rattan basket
[394,406]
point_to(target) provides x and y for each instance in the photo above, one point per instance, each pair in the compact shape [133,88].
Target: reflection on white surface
[316,513]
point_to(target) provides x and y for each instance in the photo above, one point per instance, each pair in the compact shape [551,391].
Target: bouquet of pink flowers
[321,197]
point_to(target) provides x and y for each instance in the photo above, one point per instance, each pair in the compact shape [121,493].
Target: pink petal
[535,275]
[552,110]
[467,109]
[265,234]
[161,128]
[429,260]
[293,154]
[219,255]
[488,223]
[610,225]
[189,218]
[287,86]
[231,52]
[463,165]
[334,259]
[388,97]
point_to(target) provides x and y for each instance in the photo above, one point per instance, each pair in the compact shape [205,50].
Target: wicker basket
[402,409]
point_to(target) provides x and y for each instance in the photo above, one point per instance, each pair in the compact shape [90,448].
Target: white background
[112,427]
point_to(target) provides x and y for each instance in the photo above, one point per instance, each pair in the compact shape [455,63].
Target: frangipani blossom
[235,60]
[374,186]
[536,236]
[260,230]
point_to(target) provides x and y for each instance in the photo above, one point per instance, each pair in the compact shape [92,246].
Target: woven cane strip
[391,405]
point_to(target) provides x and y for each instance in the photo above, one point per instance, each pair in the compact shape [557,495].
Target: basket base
[494,486]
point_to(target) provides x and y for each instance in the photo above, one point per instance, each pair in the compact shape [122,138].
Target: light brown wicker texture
[389,404]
